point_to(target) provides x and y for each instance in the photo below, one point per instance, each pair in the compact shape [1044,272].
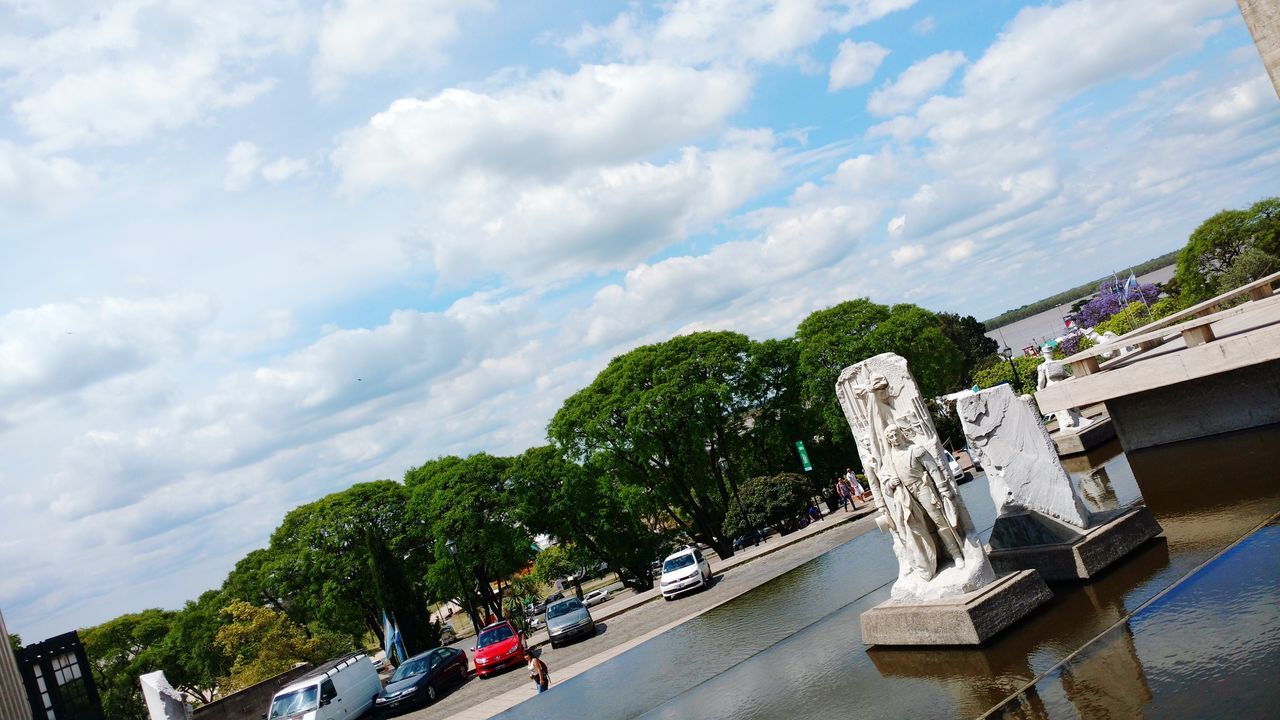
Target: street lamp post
[723,462]
[452,547]
[1017,382]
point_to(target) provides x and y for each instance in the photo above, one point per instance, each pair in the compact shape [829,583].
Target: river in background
[791,647]
[1049,324]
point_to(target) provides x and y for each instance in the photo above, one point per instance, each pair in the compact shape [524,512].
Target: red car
[499,646]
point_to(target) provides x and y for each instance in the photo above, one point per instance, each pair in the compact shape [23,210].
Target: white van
[341,689]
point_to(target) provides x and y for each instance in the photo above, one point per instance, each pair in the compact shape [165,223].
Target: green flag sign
[804,455]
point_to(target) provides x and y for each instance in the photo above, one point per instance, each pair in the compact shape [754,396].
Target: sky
[254,252]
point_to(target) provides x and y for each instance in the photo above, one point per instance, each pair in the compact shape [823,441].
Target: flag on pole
[388,636]
[399,644]
[1130,287]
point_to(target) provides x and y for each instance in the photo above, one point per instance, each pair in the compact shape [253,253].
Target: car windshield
[295,702]
[415,666]
[677,562]
[563,608]
[494,635]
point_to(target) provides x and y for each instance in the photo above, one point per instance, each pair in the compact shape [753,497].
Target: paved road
[647,618]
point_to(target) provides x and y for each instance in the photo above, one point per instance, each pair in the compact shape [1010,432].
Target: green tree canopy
[469,502]
[395,594]
[1205,264]
[119,651]
[970,338]
[191,660]
[580,506]
[320,559]
[15,641]
[661,418]
[264,643]
[833,339]
[775,500]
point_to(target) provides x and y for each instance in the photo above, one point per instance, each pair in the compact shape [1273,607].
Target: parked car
[595,597]
[751,537]
[497,647]
[340,688]
[419,680]
[448,635]
[685,569]
[954,466]
[568,619]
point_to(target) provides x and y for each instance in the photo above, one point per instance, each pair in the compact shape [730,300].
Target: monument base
[1086,555]
[1074,442]
[969,619]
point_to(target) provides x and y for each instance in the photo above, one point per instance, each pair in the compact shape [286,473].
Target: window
[327,691]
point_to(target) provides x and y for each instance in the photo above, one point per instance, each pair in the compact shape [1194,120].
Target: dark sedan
[420,679]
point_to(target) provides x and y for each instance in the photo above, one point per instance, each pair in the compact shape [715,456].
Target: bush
[1071,345]
[768,500]
[1000,373]
[1111,299]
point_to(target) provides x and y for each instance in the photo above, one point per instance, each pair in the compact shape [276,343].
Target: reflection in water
[790,648]
[1096,491]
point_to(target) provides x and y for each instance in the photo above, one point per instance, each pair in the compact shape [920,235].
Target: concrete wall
[1263,19]
[1245,398]
[13,696]
[252,702]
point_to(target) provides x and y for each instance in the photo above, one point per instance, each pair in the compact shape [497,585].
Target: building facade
[13,696]
[58,680]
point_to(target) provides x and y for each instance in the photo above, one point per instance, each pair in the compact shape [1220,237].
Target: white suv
[684,570]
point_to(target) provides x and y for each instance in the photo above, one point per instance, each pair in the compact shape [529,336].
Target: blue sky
[255,252]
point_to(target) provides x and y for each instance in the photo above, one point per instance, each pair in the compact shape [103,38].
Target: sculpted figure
[933,538]
[923,502]
[1049,372]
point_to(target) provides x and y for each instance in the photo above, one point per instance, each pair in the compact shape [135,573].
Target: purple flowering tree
[1111,299]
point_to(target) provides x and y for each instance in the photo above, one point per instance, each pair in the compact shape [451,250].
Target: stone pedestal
[1073,442]
[969,619]
[1083,556]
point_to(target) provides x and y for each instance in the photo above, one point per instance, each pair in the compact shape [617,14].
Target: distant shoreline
[1076,293]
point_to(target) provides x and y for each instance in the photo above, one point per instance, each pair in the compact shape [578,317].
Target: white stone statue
[163,702]
[933,538]
[1008,439]
[1048,373]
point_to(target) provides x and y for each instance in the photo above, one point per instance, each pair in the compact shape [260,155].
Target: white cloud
[699,32]
[960,250]
[924,26]
[31,181]
[243,161]
[361,37]
[283,169]
[855,64]
[544,127]
[115,75]
[915,83]
[906,254]
[1243,100]
[896,224]
[60,348]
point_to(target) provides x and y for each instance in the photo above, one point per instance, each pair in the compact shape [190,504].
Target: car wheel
[667,598]
[431,693]
[554,646]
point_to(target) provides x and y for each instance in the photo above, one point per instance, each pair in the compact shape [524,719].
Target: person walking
[538,674]
[842,489]
[855,487]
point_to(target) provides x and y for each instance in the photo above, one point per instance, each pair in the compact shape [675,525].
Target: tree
[660,419]
[396,595]
[833,339]
[119,651]
[15,641]
[264,643]
[1219,242]
[188,654]
[469,502]
[970,338]
[554,563]
[1001,373]
[581,506]
[774,500]
[318,561]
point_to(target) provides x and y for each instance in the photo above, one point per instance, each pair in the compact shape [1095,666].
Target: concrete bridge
[1210,369]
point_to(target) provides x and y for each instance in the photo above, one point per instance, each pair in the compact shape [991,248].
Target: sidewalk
[525,691]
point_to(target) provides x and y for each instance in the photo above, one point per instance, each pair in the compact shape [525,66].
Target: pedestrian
[842,489]
[855,487]
[814,512]
[538,674]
